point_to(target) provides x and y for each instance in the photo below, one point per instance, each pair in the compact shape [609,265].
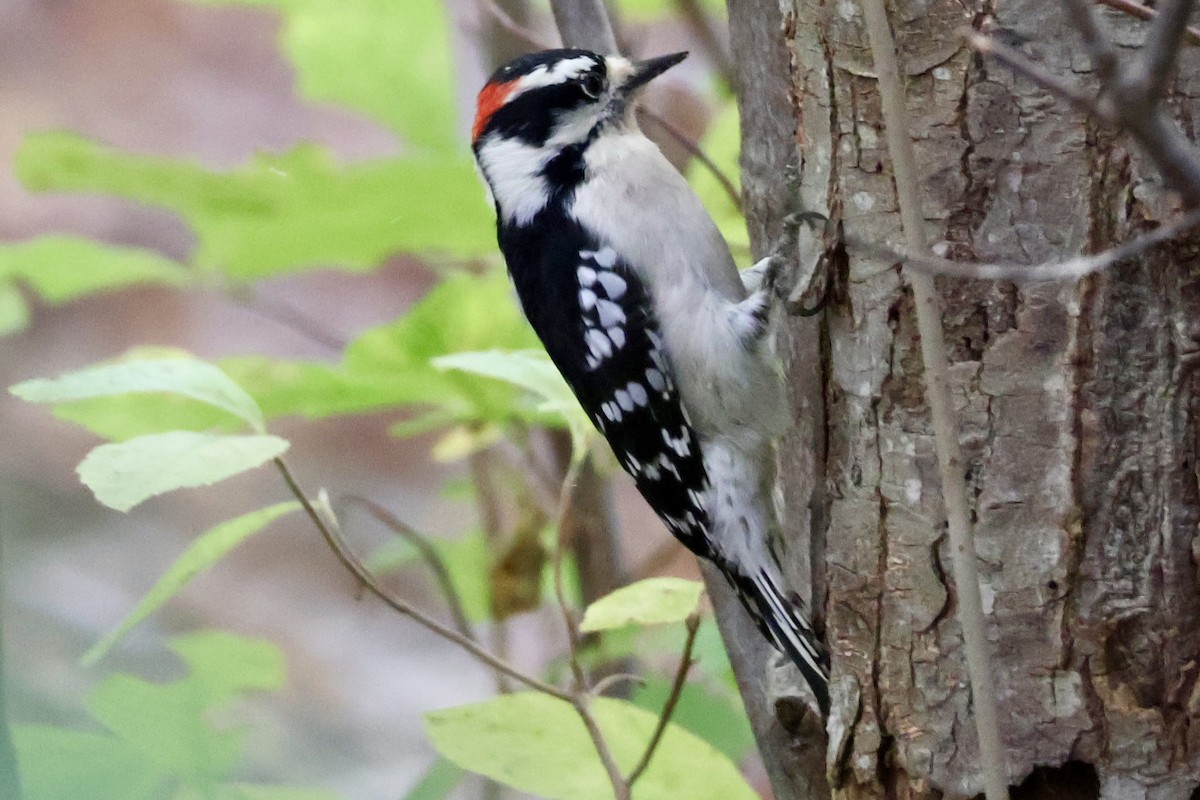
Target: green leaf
[722,143]
[165,722]
[653,601]
[123,475]
[224,665]
[651,10]
[126,416]
[537,744]
[60,763]
[251,791]
[201,555]
[468,560]
[63,268]
[183,376]
[390,60]
[715,717]
[281,213]
[14,312]
[533,371]
[437,784]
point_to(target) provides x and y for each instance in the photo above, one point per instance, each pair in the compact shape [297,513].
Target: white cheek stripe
[514,173]
[550,75]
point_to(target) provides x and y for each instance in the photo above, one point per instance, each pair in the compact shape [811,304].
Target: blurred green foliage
[156,740]
[462,360]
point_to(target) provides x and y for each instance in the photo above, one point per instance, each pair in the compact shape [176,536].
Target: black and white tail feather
[633,292]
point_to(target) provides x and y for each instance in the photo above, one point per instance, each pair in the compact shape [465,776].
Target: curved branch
[1068,270]
[664,719]
[428,554]
[352,563]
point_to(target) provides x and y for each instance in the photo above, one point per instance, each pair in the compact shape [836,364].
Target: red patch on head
[491,98]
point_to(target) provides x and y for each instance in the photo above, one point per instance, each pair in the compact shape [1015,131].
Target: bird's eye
[592,85]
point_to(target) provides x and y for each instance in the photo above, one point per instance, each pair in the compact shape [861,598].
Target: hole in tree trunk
[1074,780]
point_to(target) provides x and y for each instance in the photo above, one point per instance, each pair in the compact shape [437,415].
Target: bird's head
[562,96]
[537,115]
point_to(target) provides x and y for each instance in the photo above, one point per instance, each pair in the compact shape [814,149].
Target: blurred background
[209,85]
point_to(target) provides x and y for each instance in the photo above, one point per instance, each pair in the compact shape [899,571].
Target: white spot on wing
[638,393]
[587,275]
[587,299]
[618,337]
[606,257]
[598,343]
[614,285]
[610,313]
[623,399]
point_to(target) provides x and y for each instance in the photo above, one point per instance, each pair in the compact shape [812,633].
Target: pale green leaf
[201,554]
[123,475]
[188,377]
[537,744]
[533,371]
[61,763]
[650,10]
[390,59]
[224,665]
[253,791]
[14,312]
[530,369]
[63,268]
[653,601]
[284,212]
[437,784]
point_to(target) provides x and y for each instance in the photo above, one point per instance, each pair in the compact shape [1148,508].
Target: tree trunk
[1077,406]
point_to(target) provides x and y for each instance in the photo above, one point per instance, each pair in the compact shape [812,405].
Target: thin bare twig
[580,697]
[542,486]
[1124,104]
[664,718]
[1069,270]
[705,32]
[584,23]
[519,31]
[1100,48]
[937,392]
[287,315]
[690,145]
[617,678]
[1135,9]
[1156,59]
[352,563]
[428,554]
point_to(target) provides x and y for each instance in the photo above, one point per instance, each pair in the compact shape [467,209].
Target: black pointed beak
[648,70]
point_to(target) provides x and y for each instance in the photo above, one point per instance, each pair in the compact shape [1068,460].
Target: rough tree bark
[1078,405]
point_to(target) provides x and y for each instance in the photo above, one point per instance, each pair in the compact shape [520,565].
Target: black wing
[594,316]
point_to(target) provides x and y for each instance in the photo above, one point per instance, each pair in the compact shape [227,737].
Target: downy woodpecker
[634,293]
